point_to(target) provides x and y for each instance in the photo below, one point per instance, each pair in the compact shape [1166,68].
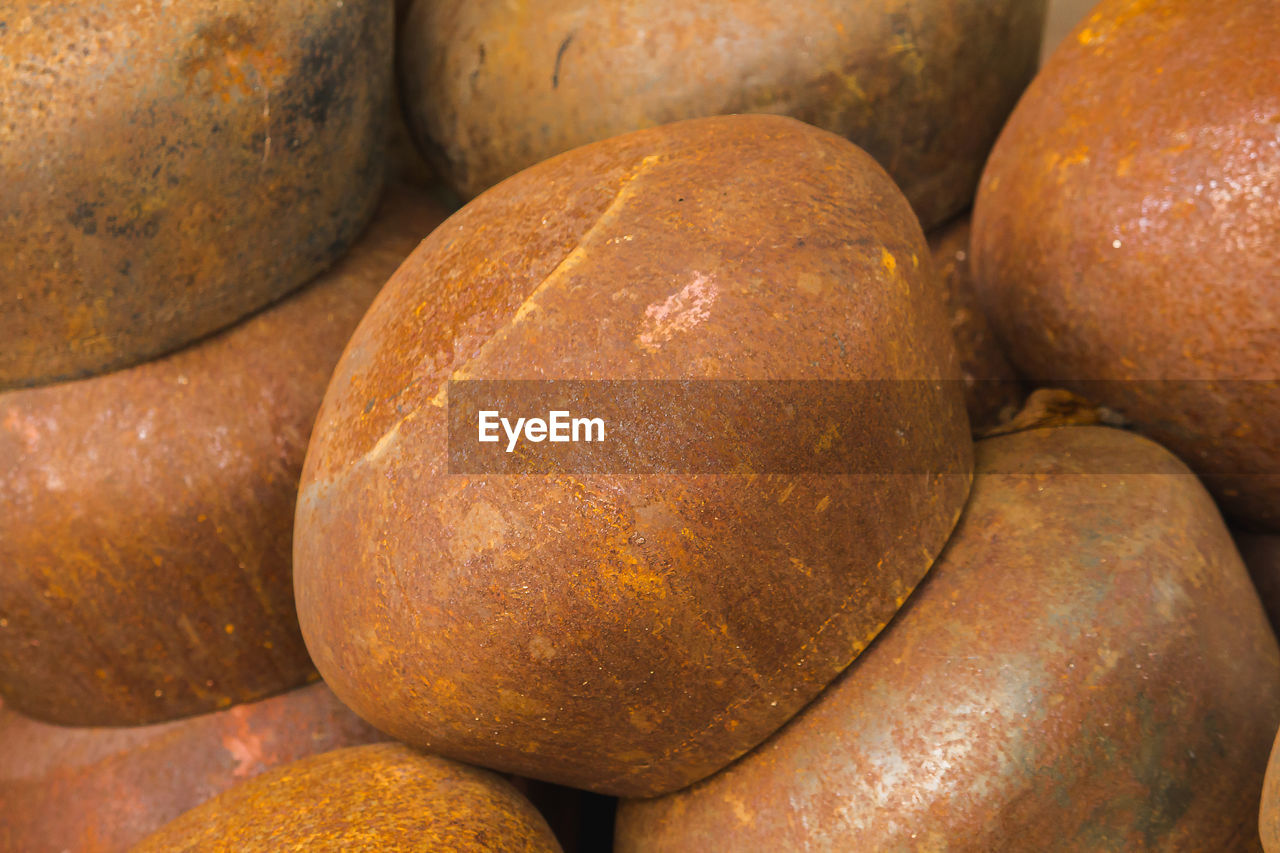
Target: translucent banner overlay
[745,427]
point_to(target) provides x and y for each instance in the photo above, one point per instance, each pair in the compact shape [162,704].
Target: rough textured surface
[992,392]
[1261,554]
[628,633]
[1128,229]
[100,790]
[923,86]
[167,168]
[1085,668]
[378,797]
[147,519]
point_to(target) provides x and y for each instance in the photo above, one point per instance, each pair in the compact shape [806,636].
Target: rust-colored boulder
[992,392]
[148,513]
[1261,553]
[95,790]
[611,631]
[922,86]
[1126,236]
[376,797]
[1087,667]
[168,168]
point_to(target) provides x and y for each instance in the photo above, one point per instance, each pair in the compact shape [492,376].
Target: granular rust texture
[374,798]
[1085,668]
[992,392]
[148,513]
[1261,553]
[1128,229]
[629,634]
[96,790]
[167,168]
[493,86]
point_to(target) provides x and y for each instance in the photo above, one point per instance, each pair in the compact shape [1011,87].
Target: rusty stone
[148,513]
[992,392]
[376,797]
[1085,668]
[1126,236]
[170,168]
[96,790]
[1261,553]
[923,86]
[628,634]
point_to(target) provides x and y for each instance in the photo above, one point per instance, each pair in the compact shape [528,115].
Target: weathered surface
[1261,555]
[992,392]
[1086,668]
[628,633]
[167,168]
[922,86]
[148,513]
[96,790]
[1128,230]
[377,797]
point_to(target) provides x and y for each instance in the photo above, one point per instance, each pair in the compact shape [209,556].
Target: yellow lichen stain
[888,261]
[1123,167]
[822,505]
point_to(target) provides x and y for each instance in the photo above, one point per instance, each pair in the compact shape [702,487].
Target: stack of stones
[250,601]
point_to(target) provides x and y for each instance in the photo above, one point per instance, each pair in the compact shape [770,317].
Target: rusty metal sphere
[102,790]
[611,631]
[1086,667]
[168,168]
[148,513]
[1126,235]
[376,797]
[494,87]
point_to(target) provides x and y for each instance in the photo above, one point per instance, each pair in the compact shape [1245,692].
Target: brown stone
[1126,237]
[1085,668]
[148,513]
[377,797]
[97,790]
[615,632]
[168,168]
[992,392]
[495,87]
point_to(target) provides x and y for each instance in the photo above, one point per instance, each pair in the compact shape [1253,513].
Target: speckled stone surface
[148,513]
[377,797]
[497,86]
[613,632]
[102,790]
[1126,234]
[1086,667]
[168,168]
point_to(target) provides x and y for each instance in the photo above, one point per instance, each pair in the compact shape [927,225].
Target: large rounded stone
[377,797]
[922,86]
[1126,235]
[148,513]
[616,631]
[1087,667]
[168,168]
